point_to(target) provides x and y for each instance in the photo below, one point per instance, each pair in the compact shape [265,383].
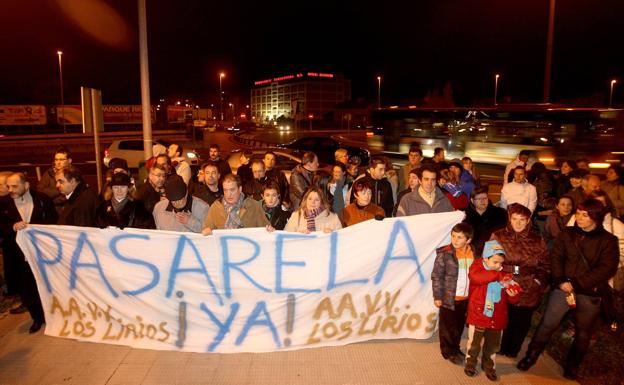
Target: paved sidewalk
[39,359]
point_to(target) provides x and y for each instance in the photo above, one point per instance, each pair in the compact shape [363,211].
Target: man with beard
[215,157]
[81,200]
[153,191]
[24,207]
[209,191]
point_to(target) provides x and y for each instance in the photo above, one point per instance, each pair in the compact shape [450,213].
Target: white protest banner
[238,290]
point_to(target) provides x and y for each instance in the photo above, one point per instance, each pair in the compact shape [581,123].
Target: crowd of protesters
[553,236]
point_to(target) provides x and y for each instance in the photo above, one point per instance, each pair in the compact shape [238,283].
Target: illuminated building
[308,95]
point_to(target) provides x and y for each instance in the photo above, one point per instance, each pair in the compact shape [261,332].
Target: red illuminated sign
[298,75]
[287,77]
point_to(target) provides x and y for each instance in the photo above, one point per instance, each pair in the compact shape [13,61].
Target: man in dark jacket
[244,170]
[253,187]
[583,259]
[121,211]
[210,189]
[82,201]
[153,191]
[276,175]
[47,184]
[484,217]
[301,178]
[427,198]
[381,188]
[24,207]
[215,157]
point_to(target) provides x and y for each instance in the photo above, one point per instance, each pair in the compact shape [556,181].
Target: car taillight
[106,152]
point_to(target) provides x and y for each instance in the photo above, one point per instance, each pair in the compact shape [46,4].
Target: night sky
[416,46]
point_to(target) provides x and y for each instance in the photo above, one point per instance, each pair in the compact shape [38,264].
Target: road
[28,161]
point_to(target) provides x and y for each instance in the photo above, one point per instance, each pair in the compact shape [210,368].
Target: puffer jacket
[444,275]
[600,250]
[526,250]
[479,280]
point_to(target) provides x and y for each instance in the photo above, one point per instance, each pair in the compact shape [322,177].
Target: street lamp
[611,93]
[60,53]
[549,50]
[378,92]
[231,105]
[496,77]
[221,76]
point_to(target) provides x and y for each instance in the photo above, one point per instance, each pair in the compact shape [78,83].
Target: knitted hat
[120,179]
[175,188]
[491,248]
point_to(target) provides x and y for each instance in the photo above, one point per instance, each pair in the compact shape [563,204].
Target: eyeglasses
[59,159]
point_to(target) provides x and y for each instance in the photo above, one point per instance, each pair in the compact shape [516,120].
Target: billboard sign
[22,115]
[112,114]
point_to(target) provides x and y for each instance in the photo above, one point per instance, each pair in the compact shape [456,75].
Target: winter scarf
[233,220]
[269,211]
[310,216]
[493,295]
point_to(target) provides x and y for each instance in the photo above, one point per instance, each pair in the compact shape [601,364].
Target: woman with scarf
[528,261]
[120,210]
[272,206]
[584,257]
[362,209]
[314,214]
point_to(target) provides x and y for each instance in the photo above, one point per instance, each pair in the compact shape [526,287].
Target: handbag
[611,300]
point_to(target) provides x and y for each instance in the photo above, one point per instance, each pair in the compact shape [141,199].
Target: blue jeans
[585,315]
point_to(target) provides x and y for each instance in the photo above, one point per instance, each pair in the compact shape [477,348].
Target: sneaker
[470,370]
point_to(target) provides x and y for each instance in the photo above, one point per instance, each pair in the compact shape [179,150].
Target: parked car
[132,151]
[285,160]
[325,147]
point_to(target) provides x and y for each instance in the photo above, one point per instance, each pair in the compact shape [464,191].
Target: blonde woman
[314,214]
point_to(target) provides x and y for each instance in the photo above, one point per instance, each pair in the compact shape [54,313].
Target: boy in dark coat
[450,289]
[490,290]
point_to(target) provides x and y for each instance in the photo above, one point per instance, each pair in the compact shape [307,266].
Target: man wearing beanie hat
[180,212]
[490,290]
[120,210]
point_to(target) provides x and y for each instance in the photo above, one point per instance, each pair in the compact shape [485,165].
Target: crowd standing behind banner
[532,217]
